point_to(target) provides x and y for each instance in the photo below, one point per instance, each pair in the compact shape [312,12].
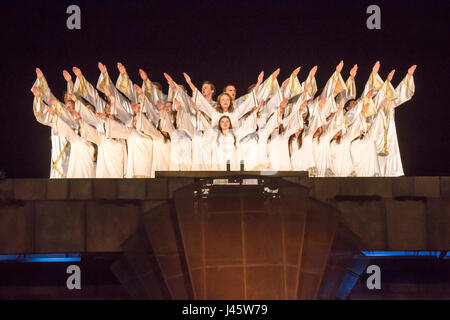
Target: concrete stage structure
[227,235]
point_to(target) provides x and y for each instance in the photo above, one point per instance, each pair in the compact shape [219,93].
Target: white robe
[82,153]
[364,151]
[389,151]
[140,149]
[161,146]
[60,152]
[112,153]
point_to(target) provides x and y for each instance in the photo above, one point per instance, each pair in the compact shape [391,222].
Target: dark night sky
[225,41]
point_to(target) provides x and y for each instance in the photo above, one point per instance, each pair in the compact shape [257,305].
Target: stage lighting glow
[52,257]
[401,253]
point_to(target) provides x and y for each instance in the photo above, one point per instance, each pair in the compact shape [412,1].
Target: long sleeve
[91,134]
[404,91]
[89,117]
[150,110]
[184,122]
[152,93]
[115,129]
[40,112]
[83,88]
[350,91]
[44,89]
[203,104]
[250,102]
[144,125]
[267,89]
[166,123]
[330,87]
[125,85]
[105,80]
[65,130]
[118,110]
[374,82]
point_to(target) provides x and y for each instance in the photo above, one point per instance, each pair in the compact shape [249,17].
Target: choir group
[123,130]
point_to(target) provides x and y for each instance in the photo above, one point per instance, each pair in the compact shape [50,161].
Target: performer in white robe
[224,103]
[300,145]
[340,159]
[59,159]
[278,142]
[387,147]
[226,147]
[139,145]
[161,143]
[363,148]
[112,153]
[82,160]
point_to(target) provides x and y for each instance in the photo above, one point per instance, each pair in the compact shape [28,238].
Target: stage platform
[227,235]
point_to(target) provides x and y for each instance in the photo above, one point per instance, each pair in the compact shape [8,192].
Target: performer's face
[351,105]
[90,107]
[169,107]
[225,124]
[225,102]
[108,109]
[207,90]
[231,90]
[69,105]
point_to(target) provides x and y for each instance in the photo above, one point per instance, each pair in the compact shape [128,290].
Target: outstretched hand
[390,76]
[67,76]
[102,67]
[376,67]
[187,78]
[77,72]
[275,73]
[137,89]
[39,73]
[35,92]
[339,66]
[295,72]
[370,93]
[169,80]
[284,84]
[312,72]
[353,71]
[143,75]
[412,69]
[121,68]
[260,78]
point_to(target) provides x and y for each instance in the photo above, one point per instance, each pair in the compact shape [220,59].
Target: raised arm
[83,88]
[115,129]
[125,85]
[405,90]
[183,119]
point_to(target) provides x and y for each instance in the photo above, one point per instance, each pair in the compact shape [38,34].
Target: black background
[225,41]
